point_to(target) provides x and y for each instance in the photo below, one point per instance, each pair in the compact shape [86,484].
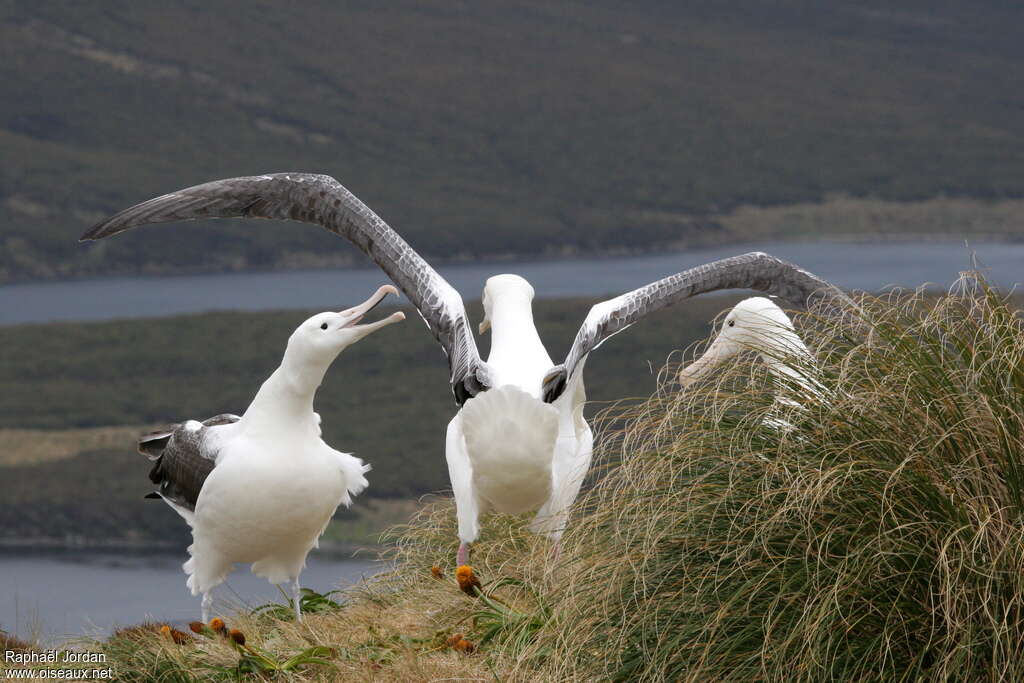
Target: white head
[755,324]
[502,289]
[318,341]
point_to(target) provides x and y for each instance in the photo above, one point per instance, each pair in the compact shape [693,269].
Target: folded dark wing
[323,201]
[756,270]
[183,455]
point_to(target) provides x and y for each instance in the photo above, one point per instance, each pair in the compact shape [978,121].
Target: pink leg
[556,551]
[463,556]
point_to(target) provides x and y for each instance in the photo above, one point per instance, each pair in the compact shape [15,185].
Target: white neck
[789,360]
[514,337]
[284,402]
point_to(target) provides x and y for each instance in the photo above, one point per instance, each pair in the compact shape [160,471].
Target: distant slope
[491,128]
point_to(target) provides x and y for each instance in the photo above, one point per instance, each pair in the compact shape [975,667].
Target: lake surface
[71,593]
[854,265]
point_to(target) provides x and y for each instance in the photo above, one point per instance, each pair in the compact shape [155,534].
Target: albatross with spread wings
[520,441]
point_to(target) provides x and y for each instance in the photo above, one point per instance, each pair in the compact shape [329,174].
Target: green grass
[493,128]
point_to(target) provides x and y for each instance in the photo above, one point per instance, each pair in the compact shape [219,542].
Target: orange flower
[436,571]
[218,626]
[458,643]
[176,636]
[468,582]
[237,636]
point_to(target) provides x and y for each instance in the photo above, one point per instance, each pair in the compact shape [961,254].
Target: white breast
[258,501]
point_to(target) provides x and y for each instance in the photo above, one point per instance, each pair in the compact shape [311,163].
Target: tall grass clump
[876,534]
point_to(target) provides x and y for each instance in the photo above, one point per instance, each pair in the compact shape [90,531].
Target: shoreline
[347,263]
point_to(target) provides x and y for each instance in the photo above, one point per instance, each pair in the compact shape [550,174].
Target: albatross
[519,441]
[262,487]
[758,324]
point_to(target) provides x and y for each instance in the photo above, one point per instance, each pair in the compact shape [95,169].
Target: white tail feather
[510,438]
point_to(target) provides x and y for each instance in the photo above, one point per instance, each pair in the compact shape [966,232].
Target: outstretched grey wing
[323,201]
[756,270]
[183,458]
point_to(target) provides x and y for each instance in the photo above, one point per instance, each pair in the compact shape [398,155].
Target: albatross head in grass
[754,324]
[758,324]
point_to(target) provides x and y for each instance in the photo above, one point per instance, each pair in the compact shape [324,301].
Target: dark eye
[324,326]
[732,323]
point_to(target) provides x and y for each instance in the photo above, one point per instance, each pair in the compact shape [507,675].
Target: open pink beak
[356,313]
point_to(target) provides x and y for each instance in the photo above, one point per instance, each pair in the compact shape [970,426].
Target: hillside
[494,128]
[75,395]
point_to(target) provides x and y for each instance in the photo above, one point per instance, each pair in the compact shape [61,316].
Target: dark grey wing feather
[323,201]
[183,457]
[756,270]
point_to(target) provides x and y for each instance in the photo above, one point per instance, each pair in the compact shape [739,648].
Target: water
[857,266]
[76,593]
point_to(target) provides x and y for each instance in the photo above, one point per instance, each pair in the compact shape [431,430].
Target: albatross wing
[323,201]
[183,455]
[755,270]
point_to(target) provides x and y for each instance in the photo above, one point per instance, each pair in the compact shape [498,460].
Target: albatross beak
[485,325]
[721,349]
[356,313]
[363,330]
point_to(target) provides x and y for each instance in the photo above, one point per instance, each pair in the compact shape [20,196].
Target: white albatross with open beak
[261,488]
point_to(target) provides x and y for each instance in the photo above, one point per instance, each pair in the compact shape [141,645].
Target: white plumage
[508,450]
[274,484]
[267,502]
[509,436]
[758,324]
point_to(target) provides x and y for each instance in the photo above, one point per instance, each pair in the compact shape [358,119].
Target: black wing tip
[554,383]
[152,445]
[153,494]
[94,233]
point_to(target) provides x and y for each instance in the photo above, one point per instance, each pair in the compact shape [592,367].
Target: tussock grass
[878,536]
[13,643]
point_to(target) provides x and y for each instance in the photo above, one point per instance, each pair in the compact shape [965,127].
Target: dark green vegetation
[491,128]
[386,399]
